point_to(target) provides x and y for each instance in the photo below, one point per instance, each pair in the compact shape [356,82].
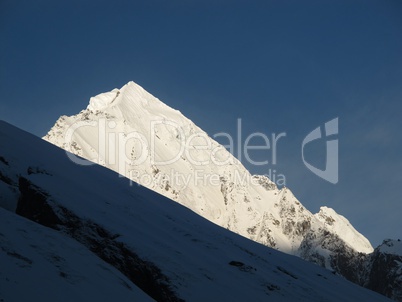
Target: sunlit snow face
[130,127]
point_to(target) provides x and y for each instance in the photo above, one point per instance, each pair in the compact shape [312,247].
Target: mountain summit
[133,133]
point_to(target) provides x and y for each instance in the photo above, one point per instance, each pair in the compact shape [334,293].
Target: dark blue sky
[281,66]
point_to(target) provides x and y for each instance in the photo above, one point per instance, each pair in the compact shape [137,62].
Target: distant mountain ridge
[133,133]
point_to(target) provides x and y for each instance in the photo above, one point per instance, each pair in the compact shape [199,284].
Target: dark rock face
[37,205]
[378,271]
[343,260]
[33,204]
[386,273]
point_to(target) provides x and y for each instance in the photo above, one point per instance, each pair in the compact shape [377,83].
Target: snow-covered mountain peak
[130,97]
[135,134]
[91,234]
[329,216]
[103,100]
[340,226]
[390,246]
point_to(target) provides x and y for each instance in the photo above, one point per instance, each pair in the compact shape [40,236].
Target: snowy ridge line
[159,135]
[141,138]
[201,261]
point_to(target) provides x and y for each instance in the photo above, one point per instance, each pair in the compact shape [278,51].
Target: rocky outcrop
[385,275]
[380,271]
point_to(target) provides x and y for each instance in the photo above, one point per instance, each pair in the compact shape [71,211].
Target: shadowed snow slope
[165,249]
[39,264]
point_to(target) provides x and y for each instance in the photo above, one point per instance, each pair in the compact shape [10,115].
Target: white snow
[192,252]
[340,226]
[102,100]
[140,137]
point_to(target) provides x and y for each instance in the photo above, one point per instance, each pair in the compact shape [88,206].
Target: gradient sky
[280,66]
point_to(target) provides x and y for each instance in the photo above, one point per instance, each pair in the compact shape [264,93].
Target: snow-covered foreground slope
[133,133]
[164,248]
[40,264]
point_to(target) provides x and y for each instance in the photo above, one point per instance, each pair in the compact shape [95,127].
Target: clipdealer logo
[330,173]
[113,144]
